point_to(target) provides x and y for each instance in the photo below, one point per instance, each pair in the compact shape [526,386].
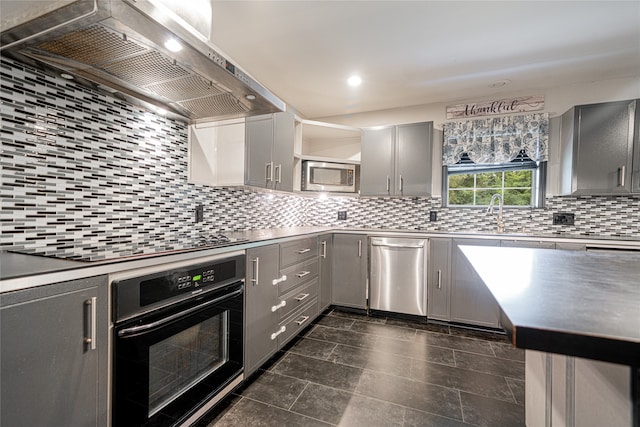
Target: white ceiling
[422,52]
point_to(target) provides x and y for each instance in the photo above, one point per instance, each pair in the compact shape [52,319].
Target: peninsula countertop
[577,303]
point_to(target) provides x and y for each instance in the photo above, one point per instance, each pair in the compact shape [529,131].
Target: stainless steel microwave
[328,176]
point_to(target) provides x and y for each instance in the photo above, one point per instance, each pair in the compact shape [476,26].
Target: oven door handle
[141,329]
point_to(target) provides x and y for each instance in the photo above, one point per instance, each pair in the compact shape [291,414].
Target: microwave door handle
[142,329]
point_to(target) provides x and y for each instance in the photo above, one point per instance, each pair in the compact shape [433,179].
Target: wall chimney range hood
[118,47]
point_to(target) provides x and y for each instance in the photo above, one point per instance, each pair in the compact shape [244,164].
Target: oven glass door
[165,370]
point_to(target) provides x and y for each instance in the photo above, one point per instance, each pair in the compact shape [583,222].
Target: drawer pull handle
[302,297]
[302,320]
[275,334]
[302,274]
[279,306]
[303,251]
[279,279]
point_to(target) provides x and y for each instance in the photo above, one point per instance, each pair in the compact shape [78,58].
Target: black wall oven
[177,341]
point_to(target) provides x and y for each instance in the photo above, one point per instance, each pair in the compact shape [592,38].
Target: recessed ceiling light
[250,97]
[500,83]
[354,80]
[173,45]
[66,76]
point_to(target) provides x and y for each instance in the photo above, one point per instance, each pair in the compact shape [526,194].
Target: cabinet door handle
[360,248]
[302,297]
[256,270]
[439,279]
[388,184]
[401,185]
[302,251]
[275,334]
[324,249]
[269,171]
[279,306]
[622,171]
[302,320]
[278,174]
[302,274]
[91,339]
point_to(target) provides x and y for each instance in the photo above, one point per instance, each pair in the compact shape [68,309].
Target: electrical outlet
[563,218]
[342,215]
[199,213]
[433,216]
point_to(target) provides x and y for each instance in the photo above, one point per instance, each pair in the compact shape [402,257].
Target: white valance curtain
[497,139]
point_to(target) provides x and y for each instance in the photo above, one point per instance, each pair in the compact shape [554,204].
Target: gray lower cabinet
[571,391]
[349,282]
[597,149]
[325,249]
[53,369]
[260,296]
[471,300]
[439,280]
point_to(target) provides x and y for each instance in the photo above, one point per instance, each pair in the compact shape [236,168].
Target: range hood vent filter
[120,50]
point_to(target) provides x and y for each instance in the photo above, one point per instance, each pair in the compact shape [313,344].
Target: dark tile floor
[352,370]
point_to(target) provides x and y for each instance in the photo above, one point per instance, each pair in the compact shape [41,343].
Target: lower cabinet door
[471,301]
[349,272]
[261,321]
[50,374]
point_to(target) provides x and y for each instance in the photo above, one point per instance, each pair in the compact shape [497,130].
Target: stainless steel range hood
[117,46]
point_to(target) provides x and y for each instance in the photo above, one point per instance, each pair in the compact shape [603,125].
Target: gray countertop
[584,304]
[18,271]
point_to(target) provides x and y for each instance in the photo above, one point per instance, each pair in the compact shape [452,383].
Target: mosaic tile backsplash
[87,176]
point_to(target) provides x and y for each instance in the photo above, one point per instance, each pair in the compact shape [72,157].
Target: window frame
[538,187]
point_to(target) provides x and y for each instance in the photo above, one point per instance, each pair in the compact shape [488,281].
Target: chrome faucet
[500,221]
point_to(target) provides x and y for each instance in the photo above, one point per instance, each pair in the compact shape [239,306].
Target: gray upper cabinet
[349,270]
[261,322]
[269,151]
[439,281]
[471,301]
[376,162]
[413,159]
[396,161]
[52,375]
[597,149]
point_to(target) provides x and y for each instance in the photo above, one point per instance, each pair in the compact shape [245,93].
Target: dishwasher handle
[391,245]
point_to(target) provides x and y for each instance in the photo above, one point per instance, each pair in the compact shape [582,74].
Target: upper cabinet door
[269,151]
[377,159]
[598,144]
[282,151]
[259,140]
[413,159]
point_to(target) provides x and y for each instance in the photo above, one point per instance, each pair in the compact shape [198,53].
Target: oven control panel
[137,294]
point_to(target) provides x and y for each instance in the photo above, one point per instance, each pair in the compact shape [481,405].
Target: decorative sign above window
[523,104]
[497,139]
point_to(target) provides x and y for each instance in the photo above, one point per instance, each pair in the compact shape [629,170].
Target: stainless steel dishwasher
[398,280]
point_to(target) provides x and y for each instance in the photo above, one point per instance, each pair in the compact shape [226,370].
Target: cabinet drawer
[297,274]
[296,298]
[297,322]
[298,250]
